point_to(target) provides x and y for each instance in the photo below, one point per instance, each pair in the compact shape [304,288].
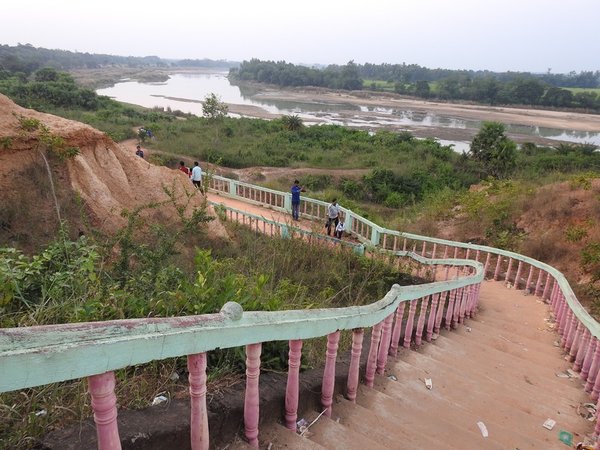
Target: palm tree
[292,122]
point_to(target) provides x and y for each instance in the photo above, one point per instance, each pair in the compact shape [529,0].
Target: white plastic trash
[483,429]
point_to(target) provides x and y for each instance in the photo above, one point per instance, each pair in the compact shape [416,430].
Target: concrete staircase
[499,369]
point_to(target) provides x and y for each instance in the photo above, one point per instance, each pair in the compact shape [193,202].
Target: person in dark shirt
[139,151]
[296,189]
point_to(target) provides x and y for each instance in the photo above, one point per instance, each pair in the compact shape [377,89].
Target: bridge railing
[33,356]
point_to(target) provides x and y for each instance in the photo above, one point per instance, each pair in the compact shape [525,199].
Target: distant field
[575,90]
[380,84]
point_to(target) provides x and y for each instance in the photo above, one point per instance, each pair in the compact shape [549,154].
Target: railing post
[591,378]
[397,329]
[432,314]
[408,330]
[293,384]
[497,271]
[518,275]
[582,351]
[538,284]
[104,404]
[199,418]
[546,286]
[329,372]
[440,312]
[233,188]
[384,345]
[349,220]
[287,202]
[373,350]
[354,369]
[421,321]
[252,399]
[374,236]
[529,278]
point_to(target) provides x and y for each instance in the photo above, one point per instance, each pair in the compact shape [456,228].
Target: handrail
[76,350]
[105,346]
[375,237]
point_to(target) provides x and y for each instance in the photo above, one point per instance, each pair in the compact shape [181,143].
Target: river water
[185,92]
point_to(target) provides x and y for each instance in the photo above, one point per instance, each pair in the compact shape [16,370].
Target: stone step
[381,429]
[333,435]
[420,420]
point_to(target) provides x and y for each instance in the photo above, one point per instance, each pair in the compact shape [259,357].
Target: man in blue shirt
[296,189]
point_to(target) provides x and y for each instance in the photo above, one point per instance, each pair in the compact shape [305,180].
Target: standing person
[339,229]
[185,169]
[139,151]
[197,176]
[333,213]
[296,189]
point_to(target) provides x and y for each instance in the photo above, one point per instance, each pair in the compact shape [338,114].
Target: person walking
[296,189]
[197,176]
[185,169]
[333,213]
[139,151]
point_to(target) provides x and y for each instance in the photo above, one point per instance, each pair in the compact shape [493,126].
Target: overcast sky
[523,35]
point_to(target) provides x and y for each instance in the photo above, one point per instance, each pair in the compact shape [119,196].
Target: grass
[575,90]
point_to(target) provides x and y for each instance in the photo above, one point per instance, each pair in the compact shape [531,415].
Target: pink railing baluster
[477,255]
[434,251]
[252,399]
[468,253]
[293,384]
[199,418]
[571,331]
[440,312]
[546,286]
[563,317]
[591,379]
[384,345]
[408,330]
[397,329]
[354,369]
[486,265]
[329,372]
[456,310]
[582,351]
[373,350]
[508,271]
[421,321]
[104,405]
[497,271]
[423,250]
[450,309]
[404,245]
[432,314]
[576,342]
[538,284]
[554,298]
[529,279]
[518,275]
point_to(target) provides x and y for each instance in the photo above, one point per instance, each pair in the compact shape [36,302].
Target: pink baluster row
[425,317]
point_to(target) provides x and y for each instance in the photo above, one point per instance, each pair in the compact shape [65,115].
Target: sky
[499,35]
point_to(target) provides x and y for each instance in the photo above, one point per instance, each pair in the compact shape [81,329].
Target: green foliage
[590,259]
[575,233]
[496,153]
[213,108]
[46,139]
[292,122]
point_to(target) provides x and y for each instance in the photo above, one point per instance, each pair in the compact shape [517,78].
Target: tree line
[441,84]
[27,59]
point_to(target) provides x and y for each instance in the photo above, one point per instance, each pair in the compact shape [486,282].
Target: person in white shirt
[333,213]
[339,230]
[197,176]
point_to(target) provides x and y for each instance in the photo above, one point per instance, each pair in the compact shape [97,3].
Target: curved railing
[41,355]
[34,356]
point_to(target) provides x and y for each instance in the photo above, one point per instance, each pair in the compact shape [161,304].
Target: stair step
[426,419]
[496,364]
[508,422]
[333,435]
[277,437]
[383,430]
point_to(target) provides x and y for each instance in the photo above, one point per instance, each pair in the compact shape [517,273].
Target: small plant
[28,123]
[575,233]
[583,181]
[5,142]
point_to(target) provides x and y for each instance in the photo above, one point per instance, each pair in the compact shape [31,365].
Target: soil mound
[91,189]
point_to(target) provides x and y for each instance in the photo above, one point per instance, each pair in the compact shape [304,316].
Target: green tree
[422,89]
[292,122]
[213,108]
[494,150]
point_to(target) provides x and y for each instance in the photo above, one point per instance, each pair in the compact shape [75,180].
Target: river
[185,91]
